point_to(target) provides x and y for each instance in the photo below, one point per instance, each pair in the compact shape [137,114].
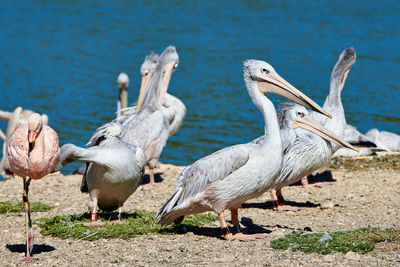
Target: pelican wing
[110,130]
[175,111]
[196,177]
[144,128]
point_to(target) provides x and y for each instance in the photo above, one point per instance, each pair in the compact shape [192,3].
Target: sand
[357,199]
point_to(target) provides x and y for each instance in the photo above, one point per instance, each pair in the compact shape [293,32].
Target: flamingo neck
[37,147]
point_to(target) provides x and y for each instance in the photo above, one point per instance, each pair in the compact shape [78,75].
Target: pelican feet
[322,184]
[243,237]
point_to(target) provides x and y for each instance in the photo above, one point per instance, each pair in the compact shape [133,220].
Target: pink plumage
[39,159]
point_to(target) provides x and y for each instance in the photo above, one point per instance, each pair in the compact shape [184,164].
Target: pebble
[352,256]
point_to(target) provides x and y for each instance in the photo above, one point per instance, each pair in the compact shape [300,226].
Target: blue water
[62,58]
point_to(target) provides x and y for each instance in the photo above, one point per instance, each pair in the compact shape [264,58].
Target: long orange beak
[144,88]
[168,69]
[273,83]
[307,123]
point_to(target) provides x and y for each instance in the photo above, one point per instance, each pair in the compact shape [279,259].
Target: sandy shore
[357,199]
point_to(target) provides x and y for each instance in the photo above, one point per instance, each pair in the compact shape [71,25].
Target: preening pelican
[114,168]
[123,84]
[173,108]
[306,147]
[233,175]
[149,127]
[33,152]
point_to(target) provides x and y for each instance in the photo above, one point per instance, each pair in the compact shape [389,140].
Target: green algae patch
[390,161]
[18,206]
[360,241]
[137,223]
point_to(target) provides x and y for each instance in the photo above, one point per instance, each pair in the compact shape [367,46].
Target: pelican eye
[176,65]
[146,73]
[299,113]
[265,70]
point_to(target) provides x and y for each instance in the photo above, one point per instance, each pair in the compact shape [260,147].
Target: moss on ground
[18,206]
[136,223]
[361,240]
[376,162]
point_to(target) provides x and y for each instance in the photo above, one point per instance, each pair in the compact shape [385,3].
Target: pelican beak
[144,88]
[307,123]
[167,73]
[31,136]
[273,83]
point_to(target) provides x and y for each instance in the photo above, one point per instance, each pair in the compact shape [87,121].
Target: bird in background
[235,174]
[33,152]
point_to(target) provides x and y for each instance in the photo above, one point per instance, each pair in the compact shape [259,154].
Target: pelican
[385,140]
[323,150]
[149,127]
[233,175]
[123,84]
[33,152]
[114,168]
[306,146]
[172,107]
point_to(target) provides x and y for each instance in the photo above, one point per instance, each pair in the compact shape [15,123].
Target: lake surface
[62,58]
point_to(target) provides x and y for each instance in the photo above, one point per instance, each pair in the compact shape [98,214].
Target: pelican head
[296,116]
[35,124]
[123,83]
[346,60]
[269,81]
[146,71]
[167,63]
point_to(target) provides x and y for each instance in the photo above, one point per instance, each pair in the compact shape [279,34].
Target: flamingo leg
[278,201]
[28,221]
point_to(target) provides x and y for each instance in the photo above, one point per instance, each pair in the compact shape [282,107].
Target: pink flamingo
[33,152]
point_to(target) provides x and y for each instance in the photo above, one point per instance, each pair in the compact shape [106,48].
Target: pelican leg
[152,180]
[279,202]
[304,181]
[28,222]
[94,220]
[238,234]
[118,221]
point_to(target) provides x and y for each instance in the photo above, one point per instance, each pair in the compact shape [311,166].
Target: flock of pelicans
[298,141]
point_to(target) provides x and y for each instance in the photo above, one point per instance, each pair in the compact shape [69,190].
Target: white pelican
[385,140]
[233,175]
[172,107]
[149,127]
[306,147]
